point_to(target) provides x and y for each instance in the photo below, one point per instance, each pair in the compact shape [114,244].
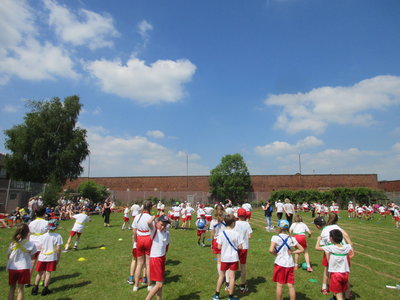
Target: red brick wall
[389,186]
[261,183]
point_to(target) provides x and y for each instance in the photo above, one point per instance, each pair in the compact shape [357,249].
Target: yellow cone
[81,259]
[102,248]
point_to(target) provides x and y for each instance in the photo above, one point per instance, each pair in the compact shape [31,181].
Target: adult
[141,236]
[268,209]
[279,209]
[288,208]
[107,212]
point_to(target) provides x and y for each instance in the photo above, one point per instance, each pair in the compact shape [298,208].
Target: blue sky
[164,80]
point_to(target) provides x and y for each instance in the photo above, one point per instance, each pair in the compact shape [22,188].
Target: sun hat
[283,223]
[241,212]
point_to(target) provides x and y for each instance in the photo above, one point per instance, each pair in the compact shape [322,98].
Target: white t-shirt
[176,210]
[338,258]
[244,230]
[49,251]
[246,206]
[140,224]
[126,212]
[159,245]
[299,228]
[135,209]
[208,210]
[229,210]
[189,210]
[199,212]
[279,207]
[80,219]
[217,227]
[37,229]
[325,240]
[183,212]
[283,258]
[229,253]
[20,259]
[288,208]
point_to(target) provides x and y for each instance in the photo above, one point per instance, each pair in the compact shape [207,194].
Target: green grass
[191,270]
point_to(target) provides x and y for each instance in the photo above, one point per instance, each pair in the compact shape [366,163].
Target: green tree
[230,179]
[93,191]
[47,147]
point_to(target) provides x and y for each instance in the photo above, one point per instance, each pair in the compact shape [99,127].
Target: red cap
[241,212]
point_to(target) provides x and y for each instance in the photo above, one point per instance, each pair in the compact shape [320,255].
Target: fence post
[7,195]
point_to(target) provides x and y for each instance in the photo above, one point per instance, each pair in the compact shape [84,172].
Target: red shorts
[214,247]
[72,233]
[301,239]
[36,255]
[233,266]
[209,219]
[126,219]
[248,215]
[188,217]
[183,219]
[157,268]
[175,218]
[134,254]
[324,261]
[19,276]
[283,275]
[338,282]
[143,245]
[200,232]
[351,210]
[383,213]
[48,266]
[397,219]
[242,256]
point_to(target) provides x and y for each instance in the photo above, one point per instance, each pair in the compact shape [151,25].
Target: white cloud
[21,54]
[86,28]
[157,134]
[396,147]
[341,105]
[147,84]
[278,147]
[143,28]
[10,108]
[135,156]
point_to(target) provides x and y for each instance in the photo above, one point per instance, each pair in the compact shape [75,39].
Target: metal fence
[17,193]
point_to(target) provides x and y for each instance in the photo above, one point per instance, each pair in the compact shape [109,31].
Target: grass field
[191,270]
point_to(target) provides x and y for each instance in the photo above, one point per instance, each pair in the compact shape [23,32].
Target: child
[49,257]
[201,224]
[20,252]
[284,264]
[298,229]
[337,255]
[229,241]
[158,251]
[189,211]
[396,216]
[244,229]
[81,219]
[217,226]
[126,219]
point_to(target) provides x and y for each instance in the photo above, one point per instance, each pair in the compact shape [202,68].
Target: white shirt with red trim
[283,258]
[244,230]
[229,253]
[160,242]
[140,224]
[189,210]
[20,255]
[176,210]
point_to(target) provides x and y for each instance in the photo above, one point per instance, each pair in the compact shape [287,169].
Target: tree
[93,191]
[47,147]
[230,179]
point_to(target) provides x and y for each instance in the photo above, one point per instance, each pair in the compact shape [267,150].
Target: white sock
[227,276]
[324,286]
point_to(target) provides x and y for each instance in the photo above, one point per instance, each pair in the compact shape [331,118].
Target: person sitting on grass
[49,257]
[338,256]
[229,242]
[280,247]
[158,252]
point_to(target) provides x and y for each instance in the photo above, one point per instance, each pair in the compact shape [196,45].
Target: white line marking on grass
[380,273]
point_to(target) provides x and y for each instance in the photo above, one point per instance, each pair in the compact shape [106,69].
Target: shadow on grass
[174,278]
[66,276]
[64,298]
[194,295]
[2,268]
[172,262]
[299,296]
[71,286]
[91,248]
[252,283]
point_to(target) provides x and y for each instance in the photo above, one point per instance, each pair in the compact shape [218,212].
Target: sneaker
[75,248]
[324,292]
[46,291]
[65,251]
[203,245]
[215,297]
[243,288]
[309,269]
[144,280]
[130,280]
[135,288]
[226,286]
[35,290]
[150,287]
[233,298]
